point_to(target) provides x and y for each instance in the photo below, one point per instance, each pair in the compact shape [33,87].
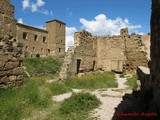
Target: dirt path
[110,99]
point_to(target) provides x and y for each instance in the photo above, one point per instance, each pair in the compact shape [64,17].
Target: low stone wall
[144,77]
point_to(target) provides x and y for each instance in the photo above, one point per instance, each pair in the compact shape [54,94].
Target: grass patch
[35,96]
[16,103]
[92,81]
[122,75]
[79,105]
[42,66]
[132,82]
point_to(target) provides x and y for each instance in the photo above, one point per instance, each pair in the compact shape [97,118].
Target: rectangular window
[34,49]
[24,35]
[36,38]
[44,39]
[26,48]
[59,49]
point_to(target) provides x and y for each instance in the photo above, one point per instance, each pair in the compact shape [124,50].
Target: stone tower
[56,38]
[11,62]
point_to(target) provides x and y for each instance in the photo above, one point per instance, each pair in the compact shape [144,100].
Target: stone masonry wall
[122,53]
[81,57]
[135,52]
[155,55]
[11,62]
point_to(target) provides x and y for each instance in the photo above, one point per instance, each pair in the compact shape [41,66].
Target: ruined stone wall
[11,62]
[81,57]
[110,53]
[121,53]
[135,52]
[34,40]
[155,54]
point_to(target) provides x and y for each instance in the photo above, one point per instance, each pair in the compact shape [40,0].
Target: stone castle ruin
[42,42]
[11,61]
[122,53]
[19,40]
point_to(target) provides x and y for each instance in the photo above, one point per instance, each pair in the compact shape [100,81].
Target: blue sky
[101,17]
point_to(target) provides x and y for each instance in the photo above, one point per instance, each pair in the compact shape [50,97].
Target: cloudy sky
[100,17]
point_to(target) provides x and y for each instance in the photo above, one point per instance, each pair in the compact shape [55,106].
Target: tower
[56,38]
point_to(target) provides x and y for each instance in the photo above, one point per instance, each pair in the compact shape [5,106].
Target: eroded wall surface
[11,62]
[122,53]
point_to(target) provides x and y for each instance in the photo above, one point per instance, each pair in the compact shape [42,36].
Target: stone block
[4,79]
[2,10]
[3,73]
[18,71]
[20,77]
[12,78]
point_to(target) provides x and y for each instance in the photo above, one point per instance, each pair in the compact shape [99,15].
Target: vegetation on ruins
[42,66]
[92,81]
[78,105]
[36,94]
[132,82]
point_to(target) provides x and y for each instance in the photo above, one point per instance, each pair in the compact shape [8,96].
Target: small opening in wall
[36,38]
[49,50]
[24,35]
[41,49]
[26,47]
[44,39]
[34,49]
[59,49]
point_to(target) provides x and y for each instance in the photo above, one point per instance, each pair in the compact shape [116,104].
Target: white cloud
[35,6]
[20,20]
[101,25]
[25,4]
[70,36]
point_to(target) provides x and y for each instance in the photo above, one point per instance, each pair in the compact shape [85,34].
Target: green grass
[18,102]
[42,66]
[35,95]
[132,82]
[78,105]
[92,81]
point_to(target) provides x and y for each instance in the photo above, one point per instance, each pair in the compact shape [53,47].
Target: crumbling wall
[110,53]
[11,62]
[81,57]
[120,53]
[135,52]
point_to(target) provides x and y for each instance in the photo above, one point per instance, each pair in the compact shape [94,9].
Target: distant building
[38,42]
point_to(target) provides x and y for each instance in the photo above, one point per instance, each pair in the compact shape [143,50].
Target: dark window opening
[36,37]
[59,49]
[94,62]
[34,49]
[26,47]
[37,55]
[49,50]
[78,65]
[24,35]
[44,39]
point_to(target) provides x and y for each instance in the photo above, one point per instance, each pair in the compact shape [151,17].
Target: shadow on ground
[133,107]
